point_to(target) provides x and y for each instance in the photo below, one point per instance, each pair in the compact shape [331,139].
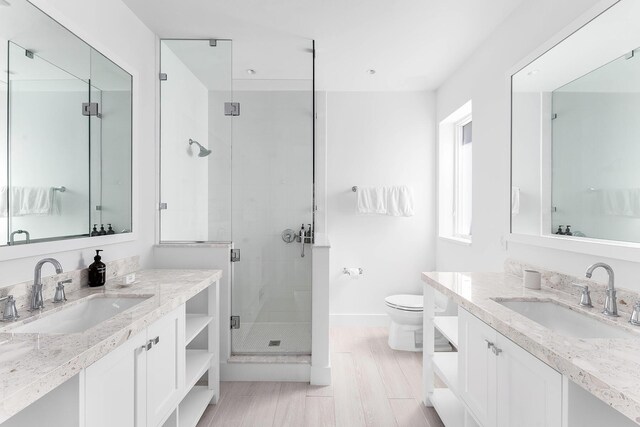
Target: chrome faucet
[37,301]
[610,304]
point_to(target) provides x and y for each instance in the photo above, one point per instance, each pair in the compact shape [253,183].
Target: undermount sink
[565,321]
[80,316]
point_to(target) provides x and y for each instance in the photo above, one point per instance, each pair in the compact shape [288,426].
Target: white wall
[114,30]
[379,139]
[483,78]
[185,176]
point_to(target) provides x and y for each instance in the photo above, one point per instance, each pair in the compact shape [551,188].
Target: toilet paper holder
[349,271]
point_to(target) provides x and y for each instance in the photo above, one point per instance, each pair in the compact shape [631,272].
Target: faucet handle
[10,311]
[60,296]
[585,297]
[635,315]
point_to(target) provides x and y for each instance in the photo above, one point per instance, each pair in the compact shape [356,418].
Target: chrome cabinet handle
[147,346]
[496,350]
[490,344]
[156,340]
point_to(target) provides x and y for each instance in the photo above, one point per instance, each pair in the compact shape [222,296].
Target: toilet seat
[412,303]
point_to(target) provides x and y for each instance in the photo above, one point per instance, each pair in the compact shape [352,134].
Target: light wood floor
[372,385]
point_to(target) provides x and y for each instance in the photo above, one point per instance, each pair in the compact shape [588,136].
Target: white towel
[371,200]
[515,200]
[621,202]
[399,201]
[393,201]
[25,201]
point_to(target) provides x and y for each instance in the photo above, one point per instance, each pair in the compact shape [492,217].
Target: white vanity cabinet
[503,385]
[139,383]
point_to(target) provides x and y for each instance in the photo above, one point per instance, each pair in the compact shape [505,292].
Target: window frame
[457,201]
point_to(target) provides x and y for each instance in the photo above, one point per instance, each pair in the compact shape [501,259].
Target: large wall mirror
[65,133]
[576,134]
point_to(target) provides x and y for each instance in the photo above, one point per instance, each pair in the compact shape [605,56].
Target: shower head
[204,152]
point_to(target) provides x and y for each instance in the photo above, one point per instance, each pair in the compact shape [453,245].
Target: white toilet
[405,331]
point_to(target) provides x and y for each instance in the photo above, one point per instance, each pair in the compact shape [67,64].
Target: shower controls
[289,236]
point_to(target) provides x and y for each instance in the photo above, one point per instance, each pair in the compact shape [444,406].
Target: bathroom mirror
[65,132]
[575,134]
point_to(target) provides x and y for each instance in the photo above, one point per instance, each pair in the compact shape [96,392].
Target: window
[463,177]
[455,158]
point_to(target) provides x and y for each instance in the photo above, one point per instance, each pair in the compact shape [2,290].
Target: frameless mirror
[575,133]
[65,132]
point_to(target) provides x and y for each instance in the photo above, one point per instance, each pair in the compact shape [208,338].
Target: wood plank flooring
[372,385]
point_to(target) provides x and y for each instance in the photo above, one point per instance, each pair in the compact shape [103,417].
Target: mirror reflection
[575,133]
[65,133]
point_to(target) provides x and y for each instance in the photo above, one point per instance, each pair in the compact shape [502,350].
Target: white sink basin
[565,321]
[80,316]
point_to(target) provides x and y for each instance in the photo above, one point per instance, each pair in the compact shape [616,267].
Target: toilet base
[409,338]
[405,337]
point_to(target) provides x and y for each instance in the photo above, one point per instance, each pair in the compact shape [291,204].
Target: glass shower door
[272,188]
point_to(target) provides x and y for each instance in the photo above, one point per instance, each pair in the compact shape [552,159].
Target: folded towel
[621,202]
[25,201]
[393,201]
[515,200]
[371,200]
[399,201]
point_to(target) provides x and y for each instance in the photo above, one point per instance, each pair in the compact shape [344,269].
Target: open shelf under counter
[193,406]
[448,326]
[194,324]
[445,365]
[197,363]
[448,406]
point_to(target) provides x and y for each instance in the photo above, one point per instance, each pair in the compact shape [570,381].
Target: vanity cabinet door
[477,367]
[529,391]
[112,385]
[165,366]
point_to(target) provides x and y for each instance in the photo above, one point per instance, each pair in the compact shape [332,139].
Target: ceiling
[412,44]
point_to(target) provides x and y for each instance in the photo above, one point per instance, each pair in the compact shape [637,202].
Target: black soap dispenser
[102,231]
[110,230]
[97,271]
[560,230]
[94,232]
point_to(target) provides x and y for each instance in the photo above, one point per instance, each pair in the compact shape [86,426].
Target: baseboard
[320,375]
[283,372]
[373,320]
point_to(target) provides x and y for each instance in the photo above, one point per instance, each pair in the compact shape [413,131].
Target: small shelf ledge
[448,326]
[193,406]
[194,324]
[197,363]
[445,365]
[448,406]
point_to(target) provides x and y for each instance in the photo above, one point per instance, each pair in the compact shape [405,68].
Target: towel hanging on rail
[392,201]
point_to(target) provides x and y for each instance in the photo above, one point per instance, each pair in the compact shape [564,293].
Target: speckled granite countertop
[31,365]
[607,368]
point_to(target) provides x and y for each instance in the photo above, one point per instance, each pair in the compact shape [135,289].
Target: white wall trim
[291,372]
[377,320]
[320,376]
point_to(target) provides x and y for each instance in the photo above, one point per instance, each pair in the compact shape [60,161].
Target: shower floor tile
[254,338]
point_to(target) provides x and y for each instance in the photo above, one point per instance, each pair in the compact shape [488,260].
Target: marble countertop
[31,364]
[607,368]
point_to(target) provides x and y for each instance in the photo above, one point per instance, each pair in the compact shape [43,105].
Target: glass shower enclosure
[254,189]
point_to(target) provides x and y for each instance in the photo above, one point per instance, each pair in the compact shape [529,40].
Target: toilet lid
[405,302]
